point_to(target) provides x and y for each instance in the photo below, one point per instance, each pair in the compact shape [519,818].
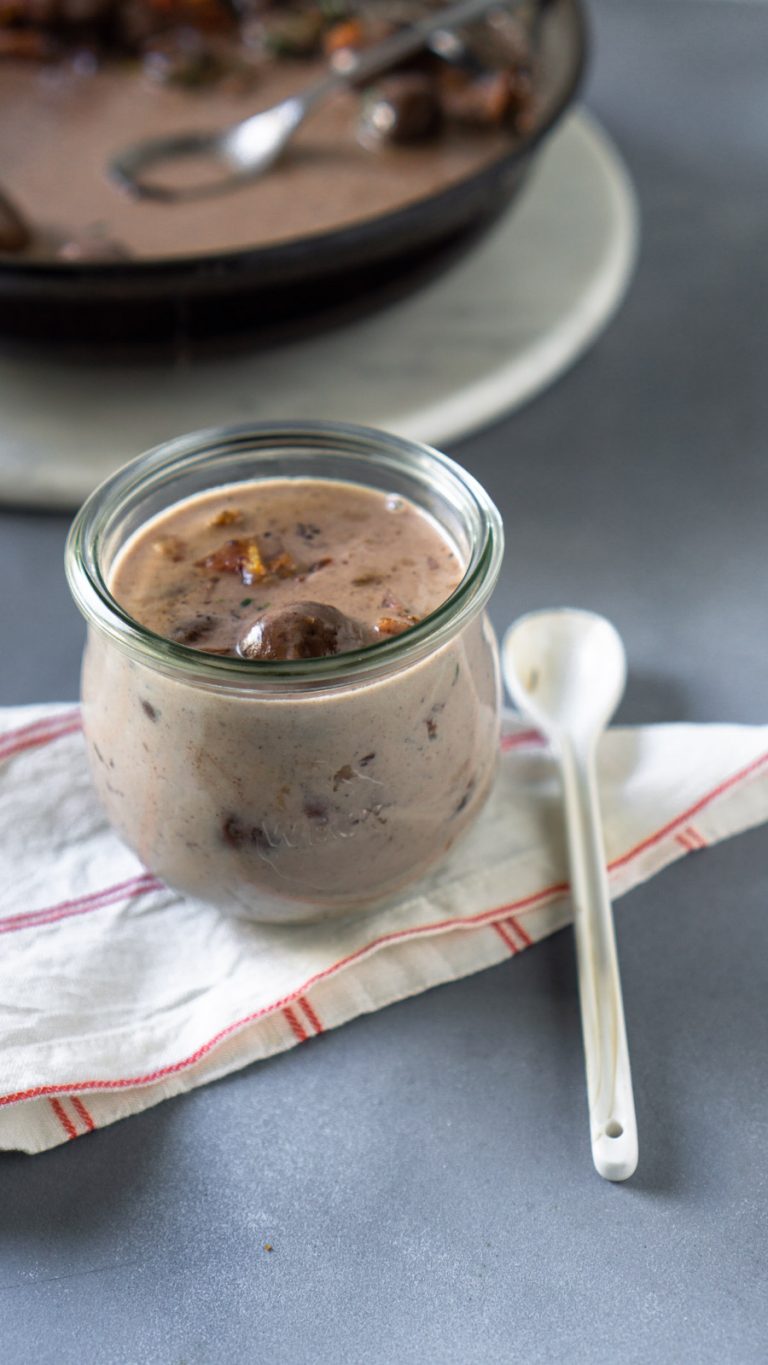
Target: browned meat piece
[404,107]
[305,630]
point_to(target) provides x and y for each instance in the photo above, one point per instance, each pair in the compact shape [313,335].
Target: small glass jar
[225,774]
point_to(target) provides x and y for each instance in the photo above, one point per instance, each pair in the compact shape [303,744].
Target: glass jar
[222,773]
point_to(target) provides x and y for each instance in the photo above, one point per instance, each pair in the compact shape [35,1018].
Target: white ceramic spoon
[566,671]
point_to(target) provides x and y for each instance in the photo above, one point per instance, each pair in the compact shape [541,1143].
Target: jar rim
[158,467]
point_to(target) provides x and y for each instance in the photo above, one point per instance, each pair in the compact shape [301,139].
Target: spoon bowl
[565,669]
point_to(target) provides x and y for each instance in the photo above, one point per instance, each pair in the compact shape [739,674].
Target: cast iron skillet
[306,282]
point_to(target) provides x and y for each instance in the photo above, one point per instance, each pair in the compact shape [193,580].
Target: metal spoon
[566,671]
[249,148]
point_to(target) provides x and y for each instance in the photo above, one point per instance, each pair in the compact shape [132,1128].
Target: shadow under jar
[294,789]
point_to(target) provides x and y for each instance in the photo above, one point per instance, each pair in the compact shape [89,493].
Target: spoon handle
[406,42]
[609,1080]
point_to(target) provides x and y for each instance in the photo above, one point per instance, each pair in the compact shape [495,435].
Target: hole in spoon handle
[615,1151]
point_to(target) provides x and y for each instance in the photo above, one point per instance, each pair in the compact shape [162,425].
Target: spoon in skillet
[566,671]
[249,148]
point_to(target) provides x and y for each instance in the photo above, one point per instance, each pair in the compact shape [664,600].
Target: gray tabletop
[424,1174]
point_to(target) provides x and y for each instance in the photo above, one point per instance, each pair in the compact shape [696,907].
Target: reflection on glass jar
[294,789]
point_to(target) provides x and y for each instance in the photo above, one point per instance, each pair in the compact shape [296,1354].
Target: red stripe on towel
[704,801]
[64,1119]
[34,737]
[520,931]
[36,727]
[506,938]
[526,737]
[310,1013]
[691,840]
[295,1024]
[82,1113]
[95,900]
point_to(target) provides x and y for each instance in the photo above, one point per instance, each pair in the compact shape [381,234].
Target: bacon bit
[395,625]
[487,100]
[244,557]
[394,604]
[170,547]
[367,579]
[366,759]
[350,35]
[431,727]
[389,625]
[236,556]
[282,565]
[228,516]
[252,565]
[347,34]
[314,568]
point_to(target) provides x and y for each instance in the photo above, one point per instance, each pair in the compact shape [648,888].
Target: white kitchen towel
[115,992]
